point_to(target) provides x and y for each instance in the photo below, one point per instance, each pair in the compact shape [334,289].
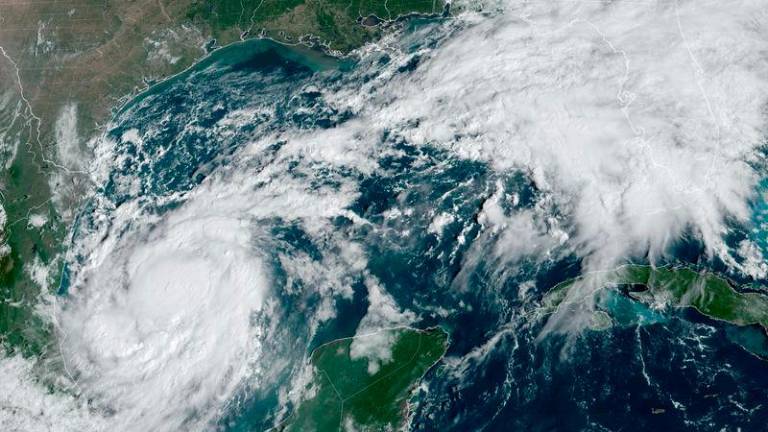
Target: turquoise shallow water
[759,233]
[499,375]
[627,312]
[241,53]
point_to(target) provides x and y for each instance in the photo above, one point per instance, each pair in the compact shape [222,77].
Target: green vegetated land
[346,394]
[88,58]
[338,24]
[711,295]
[708,293]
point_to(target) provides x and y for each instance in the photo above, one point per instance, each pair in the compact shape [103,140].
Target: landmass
[708,293]
[683,287]
[65,67]
[347,393]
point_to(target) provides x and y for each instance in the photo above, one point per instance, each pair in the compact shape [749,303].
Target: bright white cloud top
[160,329]
[640,116]
[640,119]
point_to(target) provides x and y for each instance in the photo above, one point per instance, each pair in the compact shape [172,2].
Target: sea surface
[413,221]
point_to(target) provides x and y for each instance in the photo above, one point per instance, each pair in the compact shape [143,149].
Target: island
[347,392]
[683,287]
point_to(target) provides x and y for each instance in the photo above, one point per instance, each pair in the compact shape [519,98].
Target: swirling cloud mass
[641,122]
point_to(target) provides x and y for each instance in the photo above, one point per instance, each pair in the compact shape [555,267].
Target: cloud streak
[638,120]
[640,117]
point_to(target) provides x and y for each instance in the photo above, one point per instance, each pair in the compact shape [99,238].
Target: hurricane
[492,174]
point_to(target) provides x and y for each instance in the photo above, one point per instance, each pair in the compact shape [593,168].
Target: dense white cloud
[639,116]
[27,405]
[158,326]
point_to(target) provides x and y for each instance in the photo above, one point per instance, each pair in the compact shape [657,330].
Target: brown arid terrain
[66,66]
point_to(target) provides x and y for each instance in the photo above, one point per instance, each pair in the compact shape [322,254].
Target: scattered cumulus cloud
[383,313]
[639,120]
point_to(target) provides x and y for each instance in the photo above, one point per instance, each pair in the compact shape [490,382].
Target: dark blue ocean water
[653,370]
